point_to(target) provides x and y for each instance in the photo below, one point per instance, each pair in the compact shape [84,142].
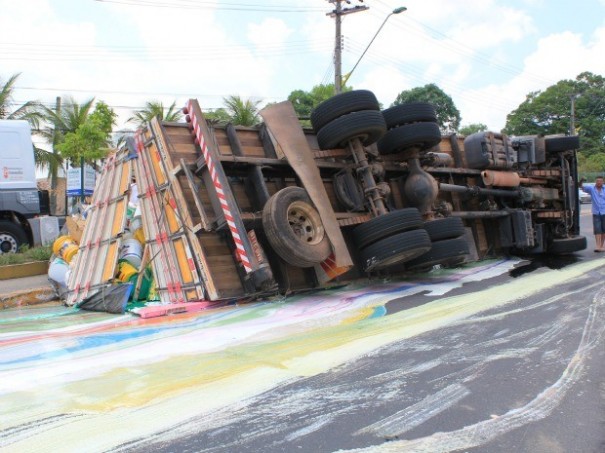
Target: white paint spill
[416,414]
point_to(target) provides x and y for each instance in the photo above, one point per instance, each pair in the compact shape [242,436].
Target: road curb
[34,296]
[24,270]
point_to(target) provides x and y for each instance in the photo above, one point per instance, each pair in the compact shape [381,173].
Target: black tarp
[111,299]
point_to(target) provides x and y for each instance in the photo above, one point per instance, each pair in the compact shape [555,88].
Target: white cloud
[385,82]
[502,25]
[270,33]
[557,57]
[469,49]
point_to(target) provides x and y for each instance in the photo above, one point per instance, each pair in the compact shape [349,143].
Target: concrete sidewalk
[33,290]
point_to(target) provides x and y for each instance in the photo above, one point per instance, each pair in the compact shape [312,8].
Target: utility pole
[572,117]
[337,13]
[54,172]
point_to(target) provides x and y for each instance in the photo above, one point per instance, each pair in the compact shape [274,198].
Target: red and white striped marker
[241,251]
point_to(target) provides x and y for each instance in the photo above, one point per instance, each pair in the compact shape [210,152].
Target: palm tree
[30,111]
[67,119]
[154,109]
[242,113]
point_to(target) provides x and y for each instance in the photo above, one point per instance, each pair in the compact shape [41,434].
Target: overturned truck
[236,212]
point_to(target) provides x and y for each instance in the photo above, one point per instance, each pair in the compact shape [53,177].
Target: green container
[145,283]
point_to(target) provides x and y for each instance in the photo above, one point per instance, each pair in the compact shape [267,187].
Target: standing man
[597,194]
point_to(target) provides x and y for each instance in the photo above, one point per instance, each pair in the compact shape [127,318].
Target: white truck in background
[21,203]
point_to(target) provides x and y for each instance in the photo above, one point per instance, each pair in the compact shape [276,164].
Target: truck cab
[20,199]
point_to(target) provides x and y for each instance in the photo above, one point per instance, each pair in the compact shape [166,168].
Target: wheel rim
[8,244]
[305,223]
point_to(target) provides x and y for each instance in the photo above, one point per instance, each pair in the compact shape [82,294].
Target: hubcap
[305,223]
[8,244]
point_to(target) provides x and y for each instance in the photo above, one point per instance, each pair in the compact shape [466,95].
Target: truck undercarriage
[234,212]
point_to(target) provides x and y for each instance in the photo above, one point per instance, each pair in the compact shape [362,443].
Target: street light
[395,11]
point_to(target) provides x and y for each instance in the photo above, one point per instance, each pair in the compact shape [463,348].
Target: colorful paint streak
[68,378]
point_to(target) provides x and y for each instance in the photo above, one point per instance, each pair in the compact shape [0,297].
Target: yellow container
[126,271]
[65,247]
[69,251]
[59,242]
[139,235]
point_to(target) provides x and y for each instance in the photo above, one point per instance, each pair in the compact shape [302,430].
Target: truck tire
[410,112]
[387,225]
[567,245]
[446,228]
[445,252]
[421,135]
[367,125]
[395,249]
[560,144]
[12,237]
[294,228]
[342,104]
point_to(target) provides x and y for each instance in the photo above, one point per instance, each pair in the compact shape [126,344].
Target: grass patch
[26,255]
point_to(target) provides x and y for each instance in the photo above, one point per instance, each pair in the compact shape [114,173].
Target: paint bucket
[146,283]
[126,272]
[139,235]
[136,223]
[57,272]
[58,244]
[131,251]
[69,251]
[65,247]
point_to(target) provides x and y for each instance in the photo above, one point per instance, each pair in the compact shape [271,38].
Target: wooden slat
[179,219]
[95,263]
[186,198]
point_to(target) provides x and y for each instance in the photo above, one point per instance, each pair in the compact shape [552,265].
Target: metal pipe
[371,190]
[480,214]
[475,191]
[532,181]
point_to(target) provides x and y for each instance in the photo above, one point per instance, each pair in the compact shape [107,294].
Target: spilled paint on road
[67,378]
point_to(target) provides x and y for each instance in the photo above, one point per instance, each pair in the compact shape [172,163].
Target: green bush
[26,255]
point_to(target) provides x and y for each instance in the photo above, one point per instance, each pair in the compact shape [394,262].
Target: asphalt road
[526,376]
[500,357]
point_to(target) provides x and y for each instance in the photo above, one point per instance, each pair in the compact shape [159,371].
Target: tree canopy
[238,111]
[155,109]
[448,115]
[549,111]
[305,101]
[472,128]
[91,138]
[29,111]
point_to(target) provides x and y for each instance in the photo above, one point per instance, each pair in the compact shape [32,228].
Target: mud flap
[282,122]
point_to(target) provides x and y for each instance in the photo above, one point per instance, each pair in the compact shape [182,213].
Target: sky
[486,54]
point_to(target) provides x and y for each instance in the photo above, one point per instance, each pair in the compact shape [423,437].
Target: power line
[215,6]
[142,93]
[169,48]
[51,105]
[460,48]
[419,73]
[207,55]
